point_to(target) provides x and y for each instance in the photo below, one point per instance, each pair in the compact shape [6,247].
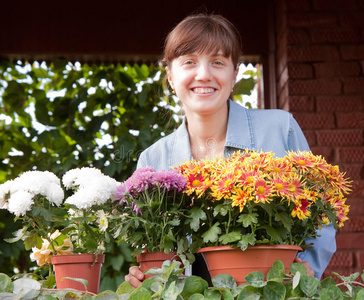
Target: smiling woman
[201,58]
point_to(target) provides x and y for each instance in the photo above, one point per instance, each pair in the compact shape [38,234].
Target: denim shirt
[270,130]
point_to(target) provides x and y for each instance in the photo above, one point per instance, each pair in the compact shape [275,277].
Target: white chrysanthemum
[43,183]
[20,202]
[91,185]
[102,220]
[4,191]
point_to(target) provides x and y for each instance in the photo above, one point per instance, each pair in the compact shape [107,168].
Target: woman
[201,58]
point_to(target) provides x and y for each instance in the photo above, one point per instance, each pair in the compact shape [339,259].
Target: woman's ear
[169,77]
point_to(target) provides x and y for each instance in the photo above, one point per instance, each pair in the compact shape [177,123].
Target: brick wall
[320,79]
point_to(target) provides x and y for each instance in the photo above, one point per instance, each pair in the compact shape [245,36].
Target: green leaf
[141,294]
[244,86]
[212,234]
[331,293]
[298,267]
[360,295]
[308,285]
[221,209]
[33,240]
[225,281]
[248,219]
[195,216]
[193,285]
[212,294]
[286,220]
[6,284]
[194,297]
[351,277]
[274,290]
[230,237]
[249,293]
[273,233]
[171,292]
[142,96]
[124,288]
[107,295]
[277,271]
[327,282]
[255,279]
[246,240]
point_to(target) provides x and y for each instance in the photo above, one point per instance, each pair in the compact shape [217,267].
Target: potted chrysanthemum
[58,228]
[253,198]
[151,207]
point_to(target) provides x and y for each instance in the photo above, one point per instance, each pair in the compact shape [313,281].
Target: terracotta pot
[78,266]
[239,263]
[148,260]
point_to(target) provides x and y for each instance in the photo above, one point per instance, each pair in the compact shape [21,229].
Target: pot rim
[77,258]
[255,247]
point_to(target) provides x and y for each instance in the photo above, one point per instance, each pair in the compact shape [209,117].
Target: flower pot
[148,260]
[239,263]
[78,266]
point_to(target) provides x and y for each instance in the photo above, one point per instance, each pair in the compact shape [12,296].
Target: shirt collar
[239,132]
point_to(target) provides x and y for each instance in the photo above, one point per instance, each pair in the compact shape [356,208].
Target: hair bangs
[203,34]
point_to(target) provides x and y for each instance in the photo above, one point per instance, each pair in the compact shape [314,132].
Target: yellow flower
[44,254]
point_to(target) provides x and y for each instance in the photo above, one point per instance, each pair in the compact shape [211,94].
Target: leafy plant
[151,207]
[168,283]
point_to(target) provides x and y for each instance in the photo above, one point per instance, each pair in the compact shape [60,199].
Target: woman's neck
[207,135]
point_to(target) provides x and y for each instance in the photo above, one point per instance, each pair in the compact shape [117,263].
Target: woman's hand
[135,277]
[310,272]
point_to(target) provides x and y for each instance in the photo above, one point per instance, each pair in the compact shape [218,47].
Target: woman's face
[203,82]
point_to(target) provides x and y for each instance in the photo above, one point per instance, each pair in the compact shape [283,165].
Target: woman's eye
[218,62]
[188,62]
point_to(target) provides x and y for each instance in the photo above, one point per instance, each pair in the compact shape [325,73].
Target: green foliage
[53,117]
[169,284]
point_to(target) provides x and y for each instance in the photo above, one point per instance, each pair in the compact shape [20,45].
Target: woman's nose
[203,73]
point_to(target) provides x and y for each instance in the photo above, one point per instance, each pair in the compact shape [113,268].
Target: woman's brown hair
[203,33]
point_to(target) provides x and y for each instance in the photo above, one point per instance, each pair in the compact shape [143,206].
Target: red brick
[300,71]
[325,152]
[361,259]
[301,103]
[356,206]
[350,241]
[342,259]
[351,155]
[354,224]
[352,18]
[315,121]
[354,85]
[352,52]
[314,87]
[339,103]
[336,35]
[313,53]
[337,69]
[353,171]
[335,5]
[340,138]
[350,120]
[298,37]
[310,137]
[311,20]
[358,189]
